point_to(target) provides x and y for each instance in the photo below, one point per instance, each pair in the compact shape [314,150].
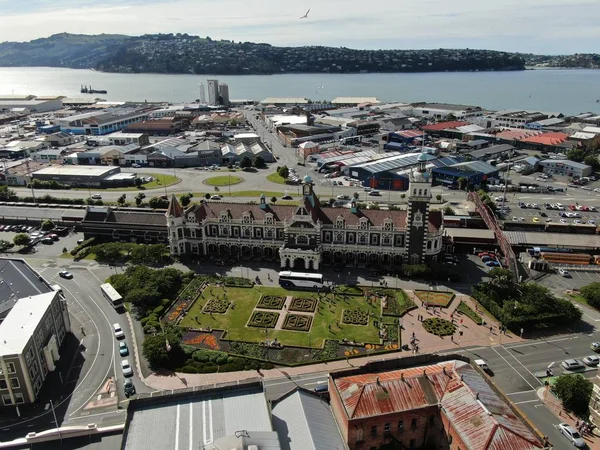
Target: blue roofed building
[476,172]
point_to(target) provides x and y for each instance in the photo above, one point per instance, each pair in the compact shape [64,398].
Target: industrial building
[85,176]
[99,123]
[30,103]
[475,172]
[439,111]
[565,167]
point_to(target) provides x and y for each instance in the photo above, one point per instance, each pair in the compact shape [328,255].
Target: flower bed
[439,327]
[297,322]
[397,304]
[217,306]
[263,319]
[391,332]
[467,311]
[174,314]
[303,304]
[435,298]
[205,340]
[271,302]
[355,317]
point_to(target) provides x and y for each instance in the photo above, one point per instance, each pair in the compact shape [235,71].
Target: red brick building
[448,405]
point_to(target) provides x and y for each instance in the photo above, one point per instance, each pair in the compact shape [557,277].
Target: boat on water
[88,90]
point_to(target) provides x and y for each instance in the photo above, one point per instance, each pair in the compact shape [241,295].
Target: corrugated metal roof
[445,125]
[317,430]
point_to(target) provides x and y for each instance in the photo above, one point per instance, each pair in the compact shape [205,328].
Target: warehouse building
[565,167]
[99,123]
[85,176]
[31,103]
[475,172]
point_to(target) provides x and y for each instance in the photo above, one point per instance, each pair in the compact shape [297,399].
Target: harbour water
[567,91]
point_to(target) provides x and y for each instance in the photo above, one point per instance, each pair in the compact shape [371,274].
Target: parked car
[123,349]
[343,197]
[572,364]
[564,273]
[492,264]
[126,368]
[128,387]
[591,360]
[65,274]
[96,197]
[287,197]
[118,331]
[374,193]
[215,197]
[595,346]
[571,434]
[135,166]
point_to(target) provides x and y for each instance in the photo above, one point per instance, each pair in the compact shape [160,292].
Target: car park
[591,360]
[564,273]
[123,349]
[572,435]
[65,274]
[118,331]
[126,368]
[572,364]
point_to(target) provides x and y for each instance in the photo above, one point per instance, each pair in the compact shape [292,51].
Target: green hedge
[84,244]
[467,311]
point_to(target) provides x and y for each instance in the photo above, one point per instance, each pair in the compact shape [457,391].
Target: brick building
[447,405]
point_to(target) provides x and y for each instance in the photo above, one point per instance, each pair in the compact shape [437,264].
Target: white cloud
[550,26]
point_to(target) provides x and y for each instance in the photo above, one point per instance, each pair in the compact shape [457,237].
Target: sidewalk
[554,405]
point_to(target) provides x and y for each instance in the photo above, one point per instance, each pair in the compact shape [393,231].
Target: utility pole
[56,421]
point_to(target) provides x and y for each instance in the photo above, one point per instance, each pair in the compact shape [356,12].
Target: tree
[438,197]
[138,182]
[356,195]
[139,199]
[47,225]
[592,160]
[121,199]
[155,348]
[462,183]
[402,196]
[185,199]
[233,122]
[575,392]
[273,199]
[246,162]
[21,239]
[591,293]
[207,196]
[5,245]
[258,162]
[158,203]
[283,172]
[449,211]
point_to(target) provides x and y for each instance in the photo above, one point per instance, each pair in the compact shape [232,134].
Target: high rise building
[202,97]
[224,93]
[213,92]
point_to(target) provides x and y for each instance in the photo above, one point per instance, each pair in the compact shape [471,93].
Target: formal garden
[223,323]
[435,298]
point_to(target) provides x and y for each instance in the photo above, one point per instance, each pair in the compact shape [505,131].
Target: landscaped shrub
[439,327]
[84,244]
[467,311]
[392,331]
[397,304]
[263,319]
[304,304]
[236,281]
[218,306]
[329,351]
[349,290]
[297,322]
[188,369]
[158,310]
[435,298]
[355,317]
[247,349]
[271,302]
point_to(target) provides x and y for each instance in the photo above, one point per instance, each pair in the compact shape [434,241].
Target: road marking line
[520,392]
[527,401]
[316,382]
[512,367]
[528,371]
[177,426]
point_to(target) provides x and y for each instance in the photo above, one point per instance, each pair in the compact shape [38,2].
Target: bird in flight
[305,16]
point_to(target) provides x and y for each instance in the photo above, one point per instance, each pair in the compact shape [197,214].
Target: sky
[530,26]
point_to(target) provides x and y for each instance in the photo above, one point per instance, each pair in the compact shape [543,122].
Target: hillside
[182,53]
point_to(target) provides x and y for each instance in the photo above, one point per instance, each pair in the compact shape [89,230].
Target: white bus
[111,294]
[300,280]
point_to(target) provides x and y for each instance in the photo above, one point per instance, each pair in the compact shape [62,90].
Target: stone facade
[307,236]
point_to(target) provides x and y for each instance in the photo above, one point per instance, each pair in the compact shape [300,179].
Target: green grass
[223,180]
[160,180]
[467,311]
[276,178]
[234,320]
[579,299]
[255,194]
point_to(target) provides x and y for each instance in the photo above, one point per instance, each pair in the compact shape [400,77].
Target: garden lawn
[159,180]
[467,311]
[245,300]
[223,180]
[276,178]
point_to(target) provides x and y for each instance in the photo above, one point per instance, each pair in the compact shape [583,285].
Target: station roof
[566,240]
